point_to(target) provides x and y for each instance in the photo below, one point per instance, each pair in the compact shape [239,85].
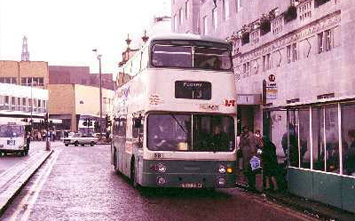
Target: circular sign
[272,78]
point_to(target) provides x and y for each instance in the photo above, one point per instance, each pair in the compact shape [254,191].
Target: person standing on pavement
[248,148]
[269,160]
[349,164]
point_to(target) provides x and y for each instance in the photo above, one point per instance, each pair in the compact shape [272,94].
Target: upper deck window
[191,54]
[172,56]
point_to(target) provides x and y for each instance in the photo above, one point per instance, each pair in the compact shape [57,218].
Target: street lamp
[98,56]
[32,101]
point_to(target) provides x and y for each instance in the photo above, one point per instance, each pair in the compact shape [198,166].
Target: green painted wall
[338,191]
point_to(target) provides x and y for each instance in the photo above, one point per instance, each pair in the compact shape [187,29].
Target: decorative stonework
[303,33]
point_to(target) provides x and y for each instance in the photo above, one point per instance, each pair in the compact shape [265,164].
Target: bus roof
[186,37]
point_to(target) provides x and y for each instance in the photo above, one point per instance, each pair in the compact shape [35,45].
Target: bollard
[48,145]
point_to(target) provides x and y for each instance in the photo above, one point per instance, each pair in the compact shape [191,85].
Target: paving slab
[14,178]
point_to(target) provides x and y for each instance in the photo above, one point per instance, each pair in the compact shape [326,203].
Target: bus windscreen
[192,55]
[174,132]
[11,131]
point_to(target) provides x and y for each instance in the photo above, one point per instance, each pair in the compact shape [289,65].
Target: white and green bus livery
[12,136]
[174,121]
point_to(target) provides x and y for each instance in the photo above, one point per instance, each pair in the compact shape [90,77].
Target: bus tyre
[92,143]
[76,143]
[133,173]
[66,144]
[115,167]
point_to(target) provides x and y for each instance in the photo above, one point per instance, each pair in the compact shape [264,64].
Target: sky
[64,32]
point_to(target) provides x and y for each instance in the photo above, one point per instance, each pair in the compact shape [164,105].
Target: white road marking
[27,203]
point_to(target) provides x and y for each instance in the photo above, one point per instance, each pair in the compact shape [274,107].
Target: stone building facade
[293,63]
[74,102]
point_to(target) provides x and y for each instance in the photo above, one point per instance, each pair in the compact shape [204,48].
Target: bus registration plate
[191,185]
[11,142]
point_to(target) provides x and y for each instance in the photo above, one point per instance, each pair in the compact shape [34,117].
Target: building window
[238,5]
[205,26]
[318,3]
[325,41]
[8,80]
[325,138]
[44,105]
[266,62]
[304,148]
[180,16]
[13,103]
[254,36]
[29,81]
[348,138]
[320,42]
[328,40]
[246,68]
[294,52]
[24,104]
[187,10]
[225,9]
[214,18]
[175,23]
[277,25]
[305,10]
[18,103]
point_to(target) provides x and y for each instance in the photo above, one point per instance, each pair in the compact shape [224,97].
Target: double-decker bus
[175,120]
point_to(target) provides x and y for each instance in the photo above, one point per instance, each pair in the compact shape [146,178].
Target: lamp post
[32,102]
[98,56]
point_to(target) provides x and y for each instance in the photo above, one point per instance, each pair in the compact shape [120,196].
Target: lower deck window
[187,132]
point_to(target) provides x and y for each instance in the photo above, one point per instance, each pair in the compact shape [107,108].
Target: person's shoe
[252,189]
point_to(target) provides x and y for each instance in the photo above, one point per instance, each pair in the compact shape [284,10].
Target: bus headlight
[161,168]
[221,181]
[161,181]
[222,169]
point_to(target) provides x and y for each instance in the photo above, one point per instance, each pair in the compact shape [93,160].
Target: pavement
[312,208]
[16,176]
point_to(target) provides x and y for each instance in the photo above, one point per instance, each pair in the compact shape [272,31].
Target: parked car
[80,139]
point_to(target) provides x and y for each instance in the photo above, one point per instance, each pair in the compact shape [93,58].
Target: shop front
[319,142]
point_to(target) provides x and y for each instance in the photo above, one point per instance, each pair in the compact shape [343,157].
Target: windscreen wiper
[182,128]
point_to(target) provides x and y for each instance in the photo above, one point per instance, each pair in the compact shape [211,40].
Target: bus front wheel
[115,165]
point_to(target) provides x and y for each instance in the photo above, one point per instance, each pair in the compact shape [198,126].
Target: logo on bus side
[229,103]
